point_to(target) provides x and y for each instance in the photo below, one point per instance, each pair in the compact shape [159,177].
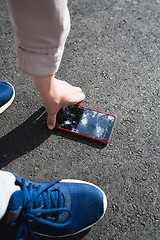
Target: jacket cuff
[39,62]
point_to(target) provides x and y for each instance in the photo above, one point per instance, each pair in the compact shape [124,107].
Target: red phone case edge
[86,135]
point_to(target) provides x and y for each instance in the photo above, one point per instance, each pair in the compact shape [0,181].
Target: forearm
[44,85]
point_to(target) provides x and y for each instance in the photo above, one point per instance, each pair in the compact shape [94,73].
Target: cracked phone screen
[86,122]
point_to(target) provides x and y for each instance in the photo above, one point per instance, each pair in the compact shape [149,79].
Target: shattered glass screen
[84,121]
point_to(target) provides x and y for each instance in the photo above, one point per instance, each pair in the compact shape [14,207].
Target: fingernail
[50,127]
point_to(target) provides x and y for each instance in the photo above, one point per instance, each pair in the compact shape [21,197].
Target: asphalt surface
[113,53]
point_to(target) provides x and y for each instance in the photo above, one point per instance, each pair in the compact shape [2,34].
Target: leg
[41,30]
[7,188]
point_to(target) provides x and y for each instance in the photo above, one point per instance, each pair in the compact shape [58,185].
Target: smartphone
[86,122]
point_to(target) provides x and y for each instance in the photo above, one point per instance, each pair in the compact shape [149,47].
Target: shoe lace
[41,205]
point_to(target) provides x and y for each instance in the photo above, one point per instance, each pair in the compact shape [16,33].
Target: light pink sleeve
[41,28]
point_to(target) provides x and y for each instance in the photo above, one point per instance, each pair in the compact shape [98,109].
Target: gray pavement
[113,53]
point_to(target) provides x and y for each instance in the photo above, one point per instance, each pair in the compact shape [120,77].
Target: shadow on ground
[24,138]
[32,133]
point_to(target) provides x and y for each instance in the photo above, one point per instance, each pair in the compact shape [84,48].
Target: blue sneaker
[56,209]
[7,94]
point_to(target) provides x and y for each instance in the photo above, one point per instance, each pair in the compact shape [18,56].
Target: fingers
[56,94]
[51,121]
[78,99]
[50,107]
[79,103]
